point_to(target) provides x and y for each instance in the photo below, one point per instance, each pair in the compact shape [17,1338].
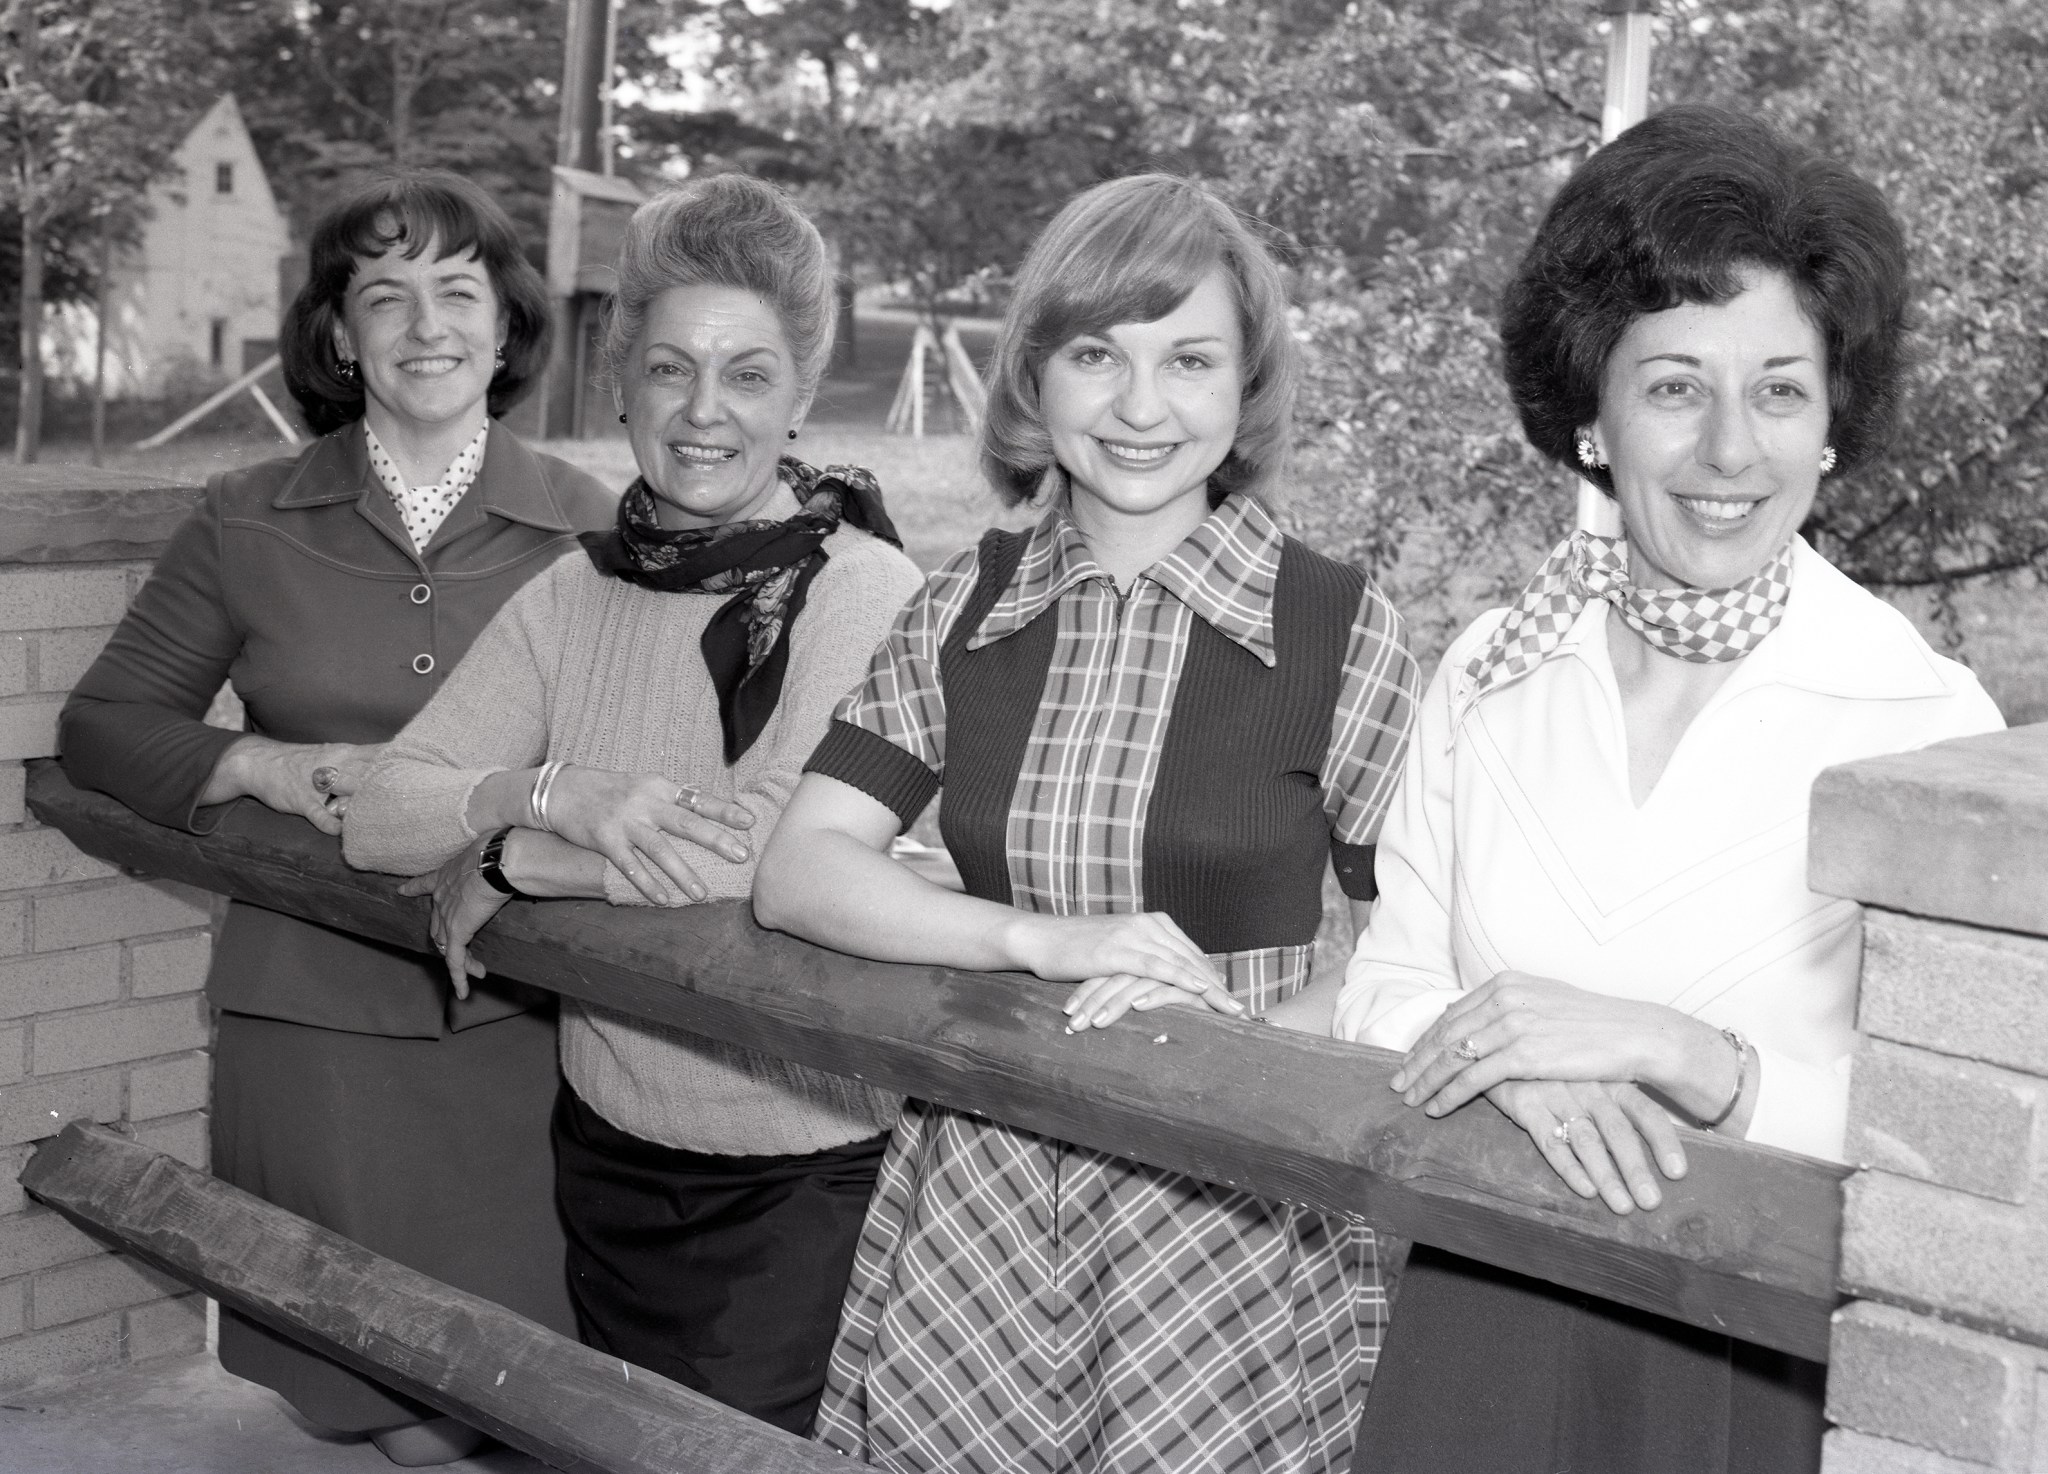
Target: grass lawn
[938,502]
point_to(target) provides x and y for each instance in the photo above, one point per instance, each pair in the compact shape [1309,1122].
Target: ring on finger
[686,797]
[324,778]
[1466,1048]
[1561,1133]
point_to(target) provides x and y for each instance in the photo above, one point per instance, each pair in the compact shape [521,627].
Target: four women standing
[1157,722]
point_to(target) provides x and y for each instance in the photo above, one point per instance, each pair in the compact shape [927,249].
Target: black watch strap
[490,864]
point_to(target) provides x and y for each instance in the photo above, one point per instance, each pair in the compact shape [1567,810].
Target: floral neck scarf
[767,566]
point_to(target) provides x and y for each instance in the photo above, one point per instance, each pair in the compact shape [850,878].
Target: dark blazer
[296,581]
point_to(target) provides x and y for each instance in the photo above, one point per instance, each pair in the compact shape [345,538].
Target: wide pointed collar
[1226,571]
[510,484]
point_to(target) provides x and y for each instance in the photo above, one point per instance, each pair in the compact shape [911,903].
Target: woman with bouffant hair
[336,590]
[629,728]
[1158,723]
[1595,907]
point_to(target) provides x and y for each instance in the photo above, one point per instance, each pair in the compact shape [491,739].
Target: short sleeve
[888,736]
[1369,732]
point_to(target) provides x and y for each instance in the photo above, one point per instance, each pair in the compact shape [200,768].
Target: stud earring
[1827,460]
[347,369]
[500,362]
[792,435]
[1589,456]
[622,417]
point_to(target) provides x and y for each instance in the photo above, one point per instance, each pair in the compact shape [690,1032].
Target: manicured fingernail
[1432,1109]
[1399,1082]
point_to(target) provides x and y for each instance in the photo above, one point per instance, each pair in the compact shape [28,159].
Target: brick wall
[1940,1363]
[100,1009]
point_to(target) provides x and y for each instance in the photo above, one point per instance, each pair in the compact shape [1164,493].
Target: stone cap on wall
[1957,831]
[87,514]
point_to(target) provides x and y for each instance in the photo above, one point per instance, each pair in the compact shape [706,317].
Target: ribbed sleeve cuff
[877,767]
[1353,864]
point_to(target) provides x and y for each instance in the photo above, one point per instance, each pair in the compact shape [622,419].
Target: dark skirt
[722,1273]
[432,1152]
[1486,1370]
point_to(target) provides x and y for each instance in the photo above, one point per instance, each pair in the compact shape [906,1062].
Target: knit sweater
[604,674]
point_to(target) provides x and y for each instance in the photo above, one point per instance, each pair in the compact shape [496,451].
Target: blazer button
[423,665]
[421,593]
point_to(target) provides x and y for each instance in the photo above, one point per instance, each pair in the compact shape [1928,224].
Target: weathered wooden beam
[1746,1244]
[565,1404]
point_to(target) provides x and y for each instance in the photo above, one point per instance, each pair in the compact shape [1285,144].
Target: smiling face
[710,392]
[424,333]
[1712,420]
[1141,413]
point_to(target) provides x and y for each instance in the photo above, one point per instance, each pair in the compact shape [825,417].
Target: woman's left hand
[463,902]
[1100,1002]
[1600,1136]
[1519,1027]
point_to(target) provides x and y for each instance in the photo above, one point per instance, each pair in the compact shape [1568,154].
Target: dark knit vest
[1235,834]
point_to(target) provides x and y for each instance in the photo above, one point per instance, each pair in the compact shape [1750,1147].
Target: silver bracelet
[543,785]
[1741,1078]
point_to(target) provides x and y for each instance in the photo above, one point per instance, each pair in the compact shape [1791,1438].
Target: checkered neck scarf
[1703,625]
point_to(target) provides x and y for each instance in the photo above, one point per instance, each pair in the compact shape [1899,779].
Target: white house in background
[197,301]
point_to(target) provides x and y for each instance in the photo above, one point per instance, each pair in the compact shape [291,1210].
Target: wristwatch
[490,864]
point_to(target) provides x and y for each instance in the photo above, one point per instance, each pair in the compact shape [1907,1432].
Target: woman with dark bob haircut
[336,590]
[1158,723]
[1594,908]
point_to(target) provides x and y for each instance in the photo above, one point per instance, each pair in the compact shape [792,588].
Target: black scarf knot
[767,566]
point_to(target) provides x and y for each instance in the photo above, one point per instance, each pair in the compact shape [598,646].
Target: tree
[1402,152]
[84,91]
[334,88]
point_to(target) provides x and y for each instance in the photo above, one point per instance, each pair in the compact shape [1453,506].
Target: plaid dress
[1018,1303]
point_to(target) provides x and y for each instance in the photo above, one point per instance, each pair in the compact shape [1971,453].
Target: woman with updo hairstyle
[1158,722]
[1594,908]
[336,589]
[630,727]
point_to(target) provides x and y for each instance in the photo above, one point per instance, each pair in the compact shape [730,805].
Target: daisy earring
[1589,454]
[1827,460]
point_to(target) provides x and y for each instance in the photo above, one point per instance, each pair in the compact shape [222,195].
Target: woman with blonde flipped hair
[1157,722]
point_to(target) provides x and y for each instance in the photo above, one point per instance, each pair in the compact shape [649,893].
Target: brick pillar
[100,1009]
[1940,1363]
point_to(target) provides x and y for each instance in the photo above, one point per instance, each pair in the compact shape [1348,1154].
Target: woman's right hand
[1075,949]
[633,819]
[311,779]
[1612,1131]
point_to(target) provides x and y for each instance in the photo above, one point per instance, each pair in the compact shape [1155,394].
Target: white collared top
[1514,843]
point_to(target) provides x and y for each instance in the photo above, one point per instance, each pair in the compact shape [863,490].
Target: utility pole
[584,137]
[1626,104]
[1628,65]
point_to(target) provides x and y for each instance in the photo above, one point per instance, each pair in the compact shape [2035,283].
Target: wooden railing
[1746,1243]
